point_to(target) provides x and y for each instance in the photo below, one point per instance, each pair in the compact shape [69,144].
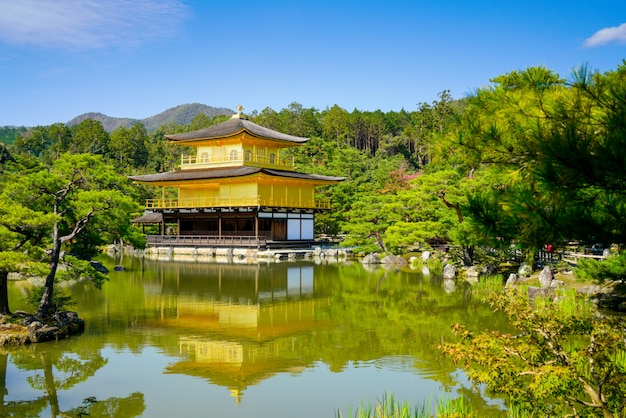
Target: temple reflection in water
[237,324]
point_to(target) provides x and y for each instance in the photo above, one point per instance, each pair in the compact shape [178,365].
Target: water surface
[242,339]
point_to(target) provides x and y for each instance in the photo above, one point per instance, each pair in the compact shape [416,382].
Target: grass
[487,285]
[389,407]
[568,303]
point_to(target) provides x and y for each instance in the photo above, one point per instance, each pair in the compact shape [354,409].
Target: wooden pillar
[219,226]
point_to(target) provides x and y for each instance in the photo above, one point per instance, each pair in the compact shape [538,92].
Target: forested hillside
[531,160]
[8,134]
[179,115]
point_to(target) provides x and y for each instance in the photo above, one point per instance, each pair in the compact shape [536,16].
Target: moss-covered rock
[22,328]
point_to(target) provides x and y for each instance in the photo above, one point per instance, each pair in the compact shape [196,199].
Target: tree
[335,124]
[21,231]
[562,359]
[547,153]
[34,141]
[128,147]
[89,136]
[54,371]
[86,199]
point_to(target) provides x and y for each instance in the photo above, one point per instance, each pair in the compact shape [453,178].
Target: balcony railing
[220,202]
[206,240]
[235,159]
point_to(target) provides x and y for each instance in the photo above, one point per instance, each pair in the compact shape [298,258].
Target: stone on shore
[22,328]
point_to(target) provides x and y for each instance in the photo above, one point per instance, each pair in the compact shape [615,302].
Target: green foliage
[74,268]
[487,285]
[74,205]
[389,407]
[59,302]
[564,358]
[613,268]
[129,147]
[544,153]
[8,134]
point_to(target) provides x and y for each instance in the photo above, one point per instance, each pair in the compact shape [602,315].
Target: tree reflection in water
[53,371]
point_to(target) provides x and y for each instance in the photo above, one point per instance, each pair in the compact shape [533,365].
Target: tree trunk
[46,297]
[3,382]
[468,255]
[51,388]
[379,241]
[4,293]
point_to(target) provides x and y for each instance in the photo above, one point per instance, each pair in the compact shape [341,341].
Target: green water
[288,339]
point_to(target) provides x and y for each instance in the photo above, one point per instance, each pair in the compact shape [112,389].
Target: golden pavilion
[238,190]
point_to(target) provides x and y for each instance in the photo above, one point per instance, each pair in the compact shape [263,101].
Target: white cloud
[606,35]
[87,24]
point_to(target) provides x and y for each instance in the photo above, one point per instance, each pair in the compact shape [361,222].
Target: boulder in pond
[449,271]
[99,267]
[372,258]
[394,260]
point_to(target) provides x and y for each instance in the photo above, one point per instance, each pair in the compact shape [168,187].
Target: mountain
[178,115]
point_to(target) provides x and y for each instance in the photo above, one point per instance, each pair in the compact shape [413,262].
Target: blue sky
[62,58]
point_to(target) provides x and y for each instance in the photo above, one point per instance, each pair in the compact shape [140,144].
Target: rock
[546,276]
[512,280]
[611,301]
[393,259]
[534,291]
[99,267]
[472,272]
[372,258]
[119,268]
[332,253]
[525,270]
[62,325]
[425,255]
[471,275]
[490,269]
[555,284]
[590,290]
[34,330]
[449,271]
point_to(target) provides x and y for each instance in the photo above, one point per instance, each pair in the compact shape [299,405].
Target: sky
[62,58]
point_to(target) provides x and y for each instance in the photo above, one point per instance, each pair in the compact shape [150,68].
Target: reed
[487,285]
[568,303]
[390,407]
[435,265]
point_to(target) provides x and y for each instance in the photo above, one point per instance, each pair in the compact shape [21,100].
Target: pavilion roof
[232,127]
[227,172]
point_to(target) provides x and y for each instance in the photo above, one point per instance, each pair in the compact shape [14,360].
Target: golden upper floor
[237,142]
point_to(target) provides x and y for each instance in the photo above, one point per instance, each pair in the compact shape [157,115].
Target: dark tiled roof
[197,174]
[232,127]
[295,174]
[219,173]
[149,218]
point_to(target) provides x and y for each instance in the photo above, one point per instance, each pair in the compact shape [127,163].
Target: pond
[279,339]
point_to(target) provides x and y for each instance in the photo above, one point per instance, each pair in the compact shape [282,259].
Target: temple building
[238,190]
